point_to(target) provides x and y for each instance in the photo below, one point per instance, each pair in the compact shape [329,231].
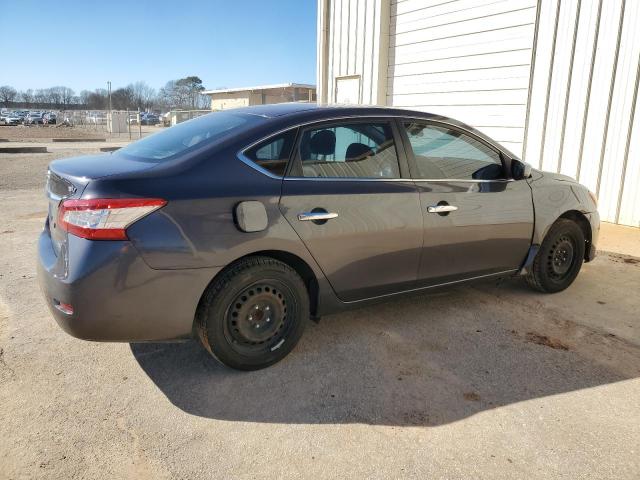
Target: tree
[194,88]
[7,94]
[84,97]
[172,95]
[182,93]
[27,96]
[203,102]
[67,95]
[123,99]
[143,95]
[55,95]
[41,96]
[98,99]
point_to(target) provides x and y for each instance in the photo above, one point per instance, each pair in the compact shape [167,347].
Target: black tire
[253,314]
[559,259]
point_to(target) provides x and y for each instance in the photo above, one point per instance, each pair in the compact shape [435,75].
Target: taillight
[104,218]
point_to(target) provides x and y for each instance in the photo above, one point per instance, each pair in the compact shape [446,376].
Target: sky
[84,43]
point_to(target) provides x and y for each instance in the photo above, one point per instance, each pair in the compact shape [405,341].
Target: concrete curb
[23,149]
[78,139]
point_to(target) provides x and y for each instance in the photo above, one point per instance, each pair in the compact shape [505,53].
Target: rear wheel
[254,313]
[559,259]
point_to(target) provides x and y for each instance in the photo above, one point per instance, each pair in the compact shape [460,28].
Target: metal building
[225,98]
[555,81]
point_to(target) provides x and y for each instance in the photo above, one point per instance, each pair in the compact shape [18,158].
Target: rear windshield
[187,136]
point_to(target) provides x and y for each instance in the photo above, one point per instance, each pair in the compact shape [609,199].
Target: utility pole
[110,117]
[109,90]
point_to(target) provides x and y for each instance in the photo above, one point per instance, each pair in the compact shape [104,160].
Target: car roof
[284,109]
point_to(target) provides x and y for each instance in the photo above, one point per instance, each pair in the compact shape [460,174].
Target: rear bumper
[115,295]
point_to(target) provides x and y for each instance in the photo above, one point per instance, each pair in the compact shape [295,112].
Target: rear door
[477,220]
[348,197]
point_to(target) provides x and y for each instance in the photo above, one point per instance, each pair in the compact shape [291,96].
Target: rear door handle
[316,216]
[441,208]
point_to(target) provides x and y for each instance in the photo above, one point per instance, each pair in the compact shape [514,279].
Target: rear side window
[349,150]
[448,154]
[273,154]
[189,135]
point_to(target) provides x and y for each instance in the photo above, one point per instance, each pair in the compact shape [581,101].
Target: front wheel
[253,314]
[559,259]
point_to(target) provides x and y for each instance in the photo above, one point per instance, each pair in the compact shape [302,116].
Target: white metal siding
[467,59]
[583,97]
[356,38]
[553,81]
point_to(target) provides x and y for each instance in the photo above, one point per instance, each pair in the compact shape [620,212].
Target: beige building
[226,98]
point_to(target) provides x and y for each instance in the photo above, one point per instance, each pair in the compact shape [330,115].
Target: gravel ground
[483,381]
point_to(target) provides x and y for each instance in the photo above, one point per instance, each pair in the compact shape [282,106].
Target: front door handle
[441,208]
[316,216]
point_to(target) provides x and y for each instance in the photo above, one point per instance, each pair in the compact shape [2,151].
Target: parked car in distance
[50,118]
[10,118]
[238,226]
[34,118]
[144,118]
[149,119]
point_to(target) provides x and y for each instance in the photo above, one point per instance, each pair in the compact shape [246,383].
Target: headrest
[357,151]
[323,143]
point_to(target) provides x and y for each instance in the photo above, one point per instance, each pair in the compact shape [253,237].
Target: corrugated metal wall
[584,97]
[467,59]
[554,81]
[357,44]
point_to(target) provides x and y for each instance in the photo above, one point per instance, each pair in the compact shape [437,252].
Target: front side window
[444,153]
[273,154]
[349,150]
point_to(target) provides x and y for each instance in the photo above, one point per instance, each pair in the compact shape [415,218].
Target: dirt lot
[484,381]
[39,133]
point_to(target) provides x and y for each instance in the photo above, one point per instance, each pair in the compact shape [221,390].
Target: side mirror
[520,170]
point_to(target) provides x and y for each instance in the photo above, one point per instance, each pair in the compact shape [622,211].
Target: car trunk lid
[67,179]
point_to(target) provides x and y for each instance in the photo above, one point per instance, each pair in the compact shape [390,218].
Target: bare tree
[27,96]
[123,98]
[203,102]
[66,95]
[41,96]
[55,95]
[7,94]
[84,97]
[97,100]
[143,95]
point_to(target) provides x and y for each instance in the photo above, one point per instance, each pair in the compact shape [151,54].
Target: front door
[477,221]
[346,199]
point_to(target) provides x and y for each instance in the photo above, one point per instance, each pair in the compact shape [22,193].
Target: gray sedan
[10,118]
[239,226]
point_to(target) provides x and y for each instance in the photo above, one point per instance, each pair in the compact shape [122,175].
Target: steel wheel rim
[561,258]
[258,319]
